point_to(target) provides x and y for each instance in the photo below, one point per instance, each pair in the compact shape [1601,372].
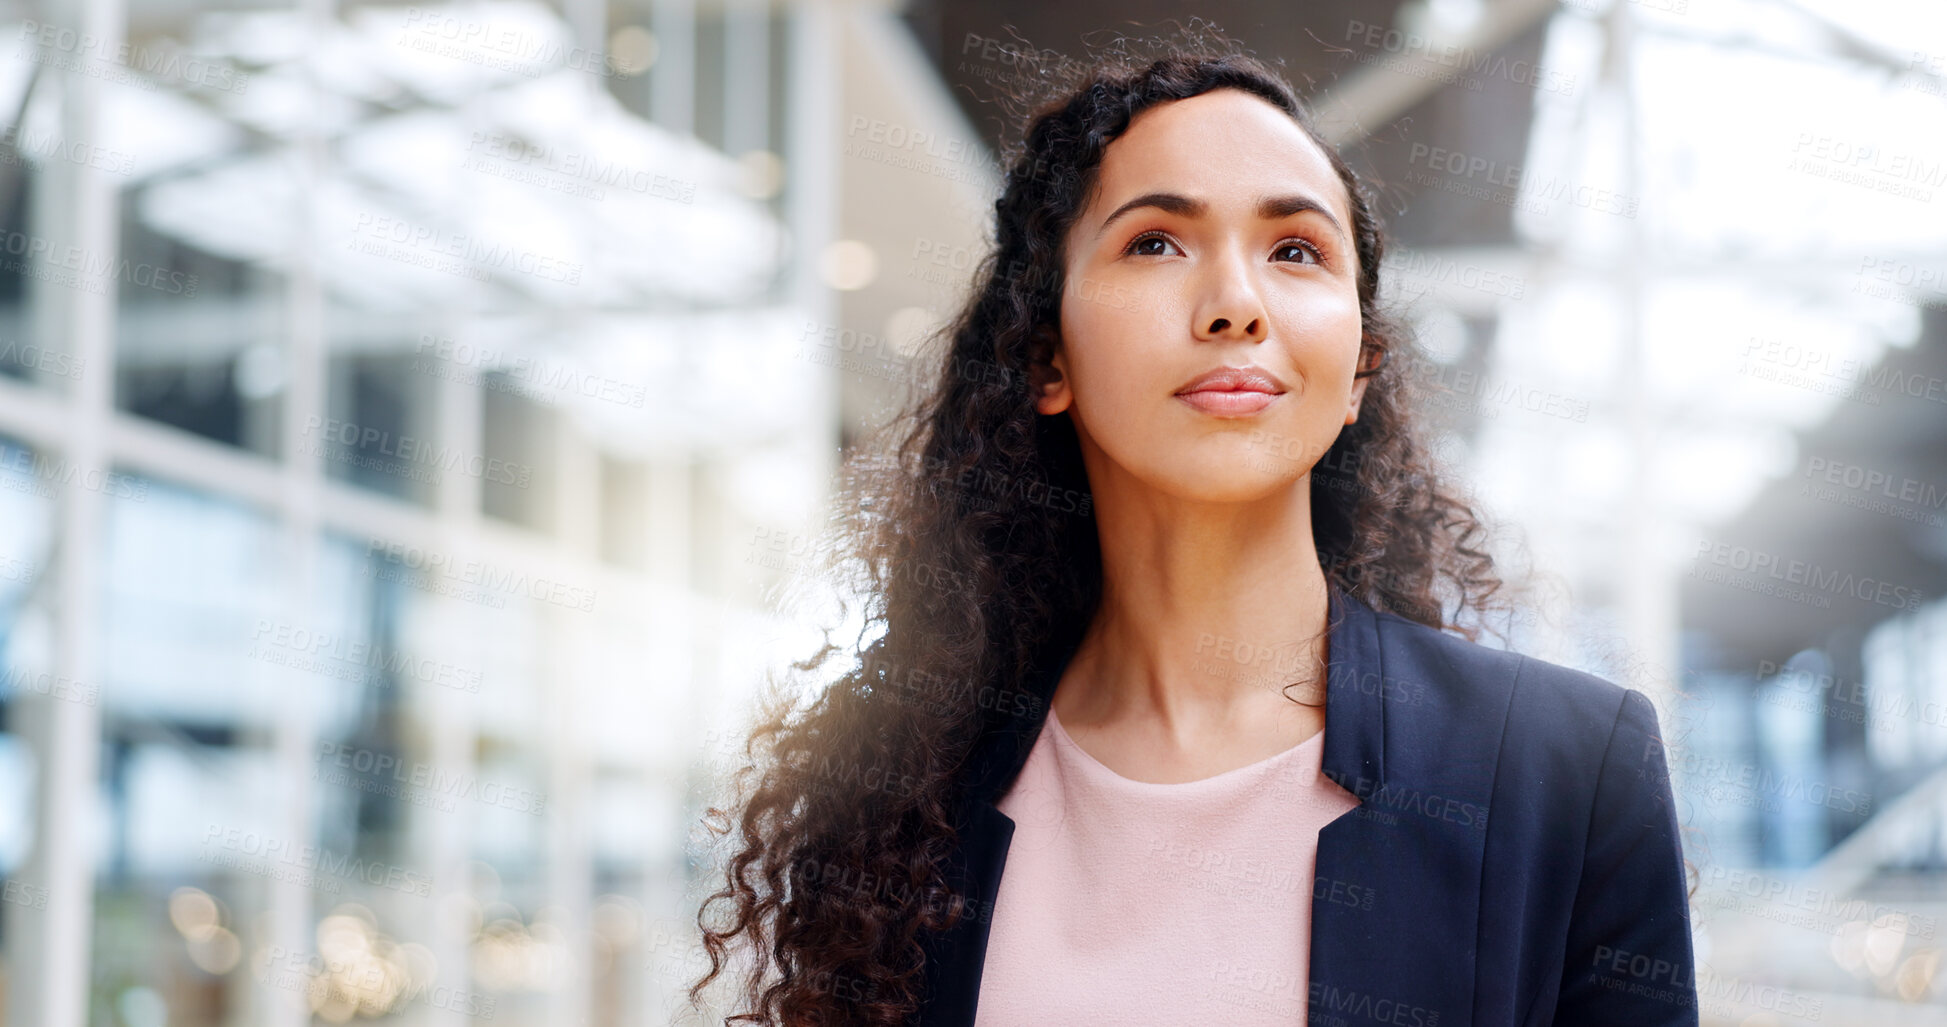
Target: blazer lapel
[1396,896]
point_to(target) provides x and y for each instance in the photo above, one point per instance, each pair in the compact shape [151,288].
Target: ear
[1370,360]
[1048,372]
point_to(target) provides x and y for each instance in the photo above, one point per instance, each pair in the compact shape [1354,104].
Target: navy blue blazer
[1514,859]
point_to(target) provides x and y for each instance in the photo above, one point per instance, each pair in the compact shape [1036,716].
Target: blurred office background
[413,419]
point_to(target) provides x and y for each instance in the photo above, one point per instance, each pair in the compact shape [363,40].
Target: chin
[1236,480]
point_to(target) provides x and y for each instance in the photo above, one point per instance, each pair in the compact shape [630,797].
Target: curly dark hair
[966,525]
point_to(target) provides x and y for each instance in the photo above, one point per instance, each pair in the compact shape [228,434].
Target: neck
[1208,611]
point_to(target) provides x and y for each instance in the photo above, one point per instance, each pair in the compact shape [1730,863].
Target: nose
[1230,308]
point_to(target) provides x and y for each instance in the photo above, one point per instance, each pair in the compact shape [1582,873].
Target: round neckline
[1062,737]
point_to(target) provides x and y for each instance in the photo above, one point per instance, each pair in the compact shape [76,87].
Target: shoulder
[1567,761]
[1545,705]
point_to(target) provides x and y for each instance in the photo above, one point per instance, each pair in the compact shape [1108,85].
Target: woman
[1162,725]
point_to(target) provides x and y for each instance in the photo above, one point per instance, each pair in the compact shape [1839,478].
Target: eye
[1303,246]
[1147,237]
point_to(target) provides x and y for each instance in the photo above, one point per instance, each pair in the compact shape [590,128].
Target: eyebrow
[1270,208]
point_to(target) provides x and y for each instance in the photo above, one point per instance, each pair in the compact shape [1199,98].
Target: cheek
[1325,331]
[1111,348]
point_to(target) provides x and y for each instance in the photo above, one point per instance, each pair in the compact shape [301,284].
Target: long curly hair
[966,529]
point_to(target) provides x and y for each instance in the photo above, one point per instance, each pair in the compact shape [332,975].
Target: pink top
[1130,902]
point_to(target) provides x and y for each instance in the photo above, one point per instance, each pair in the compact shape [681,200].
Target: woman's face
[1218,236]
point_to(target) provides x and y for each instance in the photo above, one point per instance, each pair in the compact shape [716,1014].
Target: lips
[1232,391]
[1234,379]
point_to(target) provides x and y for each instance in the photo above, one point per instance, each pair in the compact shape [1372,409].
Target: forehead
[1225,146]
